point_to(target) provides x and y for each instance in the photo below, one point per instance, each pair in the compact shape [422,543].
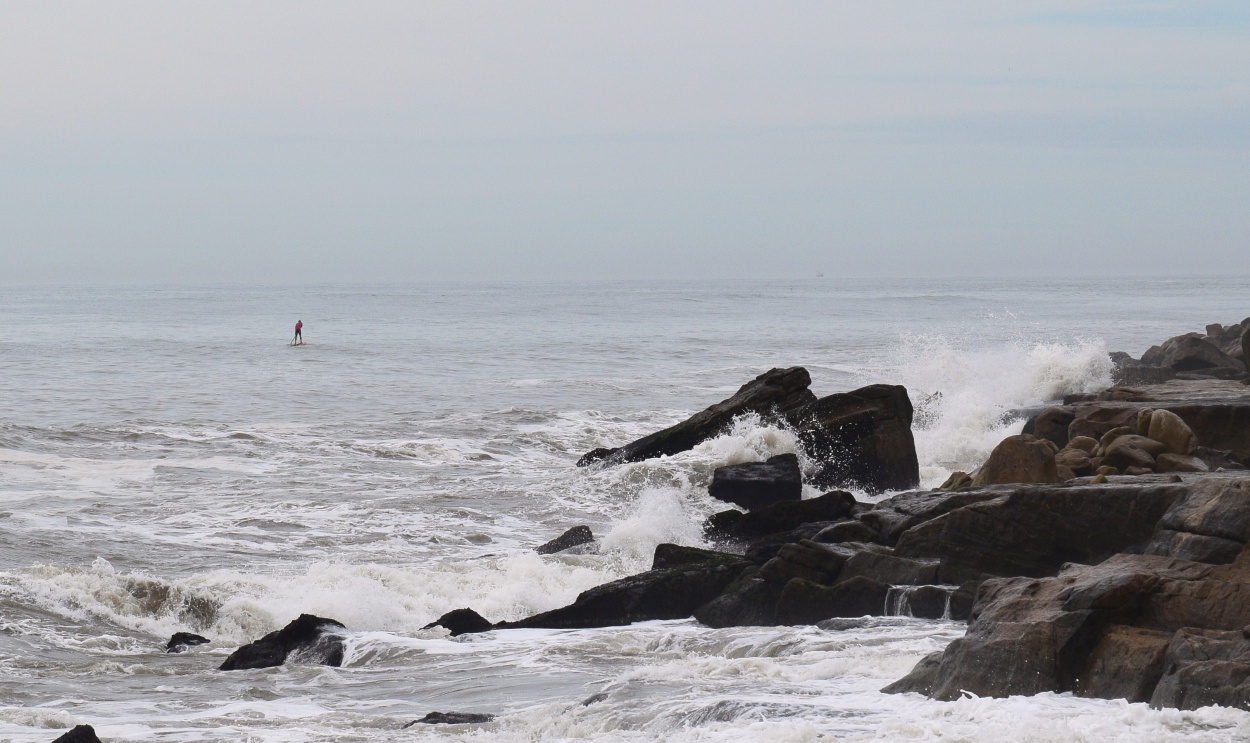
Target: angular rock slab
[772,395]
[754,485]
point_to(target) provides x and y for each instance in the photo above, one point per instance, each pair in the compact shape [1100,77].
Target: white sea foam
[966,398]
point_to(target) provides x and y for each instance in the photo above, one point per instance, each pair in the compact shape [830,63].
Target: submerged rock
[574,537]
[662,593]
[79,734]
[180,641]
[773,395]
[452,718]
[754,485]
[461,622]
[310,639]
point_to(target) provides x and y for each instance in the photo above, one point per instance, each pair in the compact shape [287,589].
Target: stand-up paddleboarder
[298,340]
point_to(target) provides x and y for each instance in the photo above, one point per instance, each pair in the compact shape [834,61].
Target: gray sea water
[168,462]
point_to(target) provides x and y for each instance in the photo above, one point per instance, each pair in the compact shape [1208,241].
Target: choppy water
[168,463]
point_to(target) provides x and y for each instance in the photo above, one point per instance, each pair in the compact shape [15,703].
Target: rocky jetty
[308,639]
[1101,552]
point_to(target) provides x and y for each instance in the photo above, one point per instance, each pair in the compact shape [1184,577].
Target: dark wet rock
[79,734]
[861,439]
[452,718]
[847,531]
[1126,663]
[921,678]
[574,537]
[773,395]
[760,551]
[308,639]
[889,569]
[922,540]
[805,602]
[893,516]
[180,641]
[1189,352]
[666,593]
[819,563]
[1034,530]
[675,555]
[1204,667]
[461,622]
[595,699]
[750,601]
[1020,458]
[779,517]
[754,485]
[1051,424]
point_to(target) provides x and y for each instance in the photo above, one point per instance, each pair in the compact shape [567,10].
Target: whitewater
[168,463]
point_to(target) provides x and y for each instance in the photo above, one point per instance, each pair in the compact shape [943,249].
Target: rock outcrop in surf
[308,639]
[860,439]
[1104,552]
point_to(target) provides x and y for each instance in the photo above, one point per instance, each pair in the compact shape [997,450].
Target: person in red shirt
[298,340]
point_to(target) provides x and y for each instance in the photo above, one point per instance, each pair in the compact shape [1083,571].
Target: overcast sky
[315,141]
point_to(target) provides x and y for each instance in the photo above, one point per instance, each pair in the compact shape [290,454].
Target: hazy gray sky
[316,141]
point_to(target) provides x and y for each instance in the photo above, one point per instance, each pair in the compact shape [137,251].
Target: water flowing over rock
[773,395]
[308,639]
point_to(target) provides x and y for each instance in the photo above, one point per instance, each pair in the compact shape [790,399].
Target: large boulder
[773,395]
[1019,459]
[861,439]
[308,639]
[1172,431]
[753,485]
[1190,352]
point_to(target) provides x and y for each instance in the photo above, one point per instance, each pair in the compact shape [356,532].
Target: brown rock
[1084,443]
[1125,664]
[1179,463]
[1076,460]
[1018,459]
[1125,454]
[804,602]
[1105,441]
[1167,428]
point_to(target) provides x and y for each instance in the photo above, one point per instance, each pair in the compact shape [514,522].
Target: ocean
[169,463]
